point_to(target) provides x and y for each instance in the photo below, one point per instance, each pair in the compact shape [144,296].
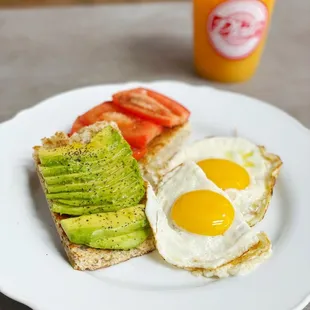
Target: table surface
[47,51]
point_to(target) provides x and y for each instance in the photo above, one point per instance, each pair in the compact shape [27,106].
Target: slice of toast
[83,257]
[161,150]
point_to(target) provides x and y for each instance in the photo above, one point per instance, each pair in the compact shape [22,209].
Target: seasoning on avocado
[86,180]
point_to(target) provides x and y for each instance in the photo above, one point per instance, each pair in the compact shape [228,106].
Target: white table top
[47,51]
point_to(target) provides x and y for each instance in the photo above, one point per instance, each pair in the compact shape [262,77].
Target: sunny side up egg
[197,227]
[245,171]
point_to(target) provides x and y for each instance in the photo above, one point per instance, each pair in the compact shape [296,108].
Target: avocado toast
[95,192]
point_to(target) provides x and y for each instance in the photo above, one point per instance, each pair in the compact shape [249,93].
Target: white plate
[34,270]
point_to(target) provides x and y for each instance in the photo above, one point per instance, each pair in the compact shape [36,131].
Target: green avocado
[105,185]
[71,210]
[129,195]
[86,203]
[122,242]
[80,167]
[100,184]
[104,145]
[100,190]
[104,176]
[90,228]
[94,175]
[75,203]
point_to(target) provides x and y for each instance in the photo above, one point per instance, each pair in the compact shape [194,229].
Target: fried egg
[197,227]
[245,171]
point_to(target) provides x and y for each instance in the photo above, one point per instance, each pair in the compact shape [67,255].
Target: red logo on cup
[236,27]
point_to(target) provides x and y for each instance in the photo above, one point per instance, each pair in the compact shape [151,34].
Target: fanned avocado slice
[89,186]
[80,167]
[103,177]
[87,203]
[90,228]
[105,191]
[93,151]
[122,242]
[131,196]
[95,175]
[71,210]
[99,183]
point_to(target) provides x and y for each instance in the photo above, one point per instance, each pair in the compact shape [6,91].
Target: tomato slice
[172,105]
[152,106]
[93,115]
[77,125]
[139,153]
[137,132]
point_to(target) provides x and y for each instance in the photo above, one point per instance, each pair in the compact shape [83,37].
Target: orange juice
[229,37]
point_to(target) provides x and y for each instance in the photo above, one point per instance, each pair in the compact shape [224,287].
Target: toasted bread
[161,150]
[83,257]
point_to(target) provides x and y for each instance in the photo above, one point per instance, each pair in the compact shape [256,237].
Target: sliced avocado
[102,173]
[109,183]
[102,145]
[104,191]
[122,242]
[74,203]
[127,197]
[87,203]
[117,185]
[80,182]
[81,177]
[105,174]
[87,228]
[133,192]
[71,210]
[78,167]
[84,199]
[86,154]
[76,187]
[75,152]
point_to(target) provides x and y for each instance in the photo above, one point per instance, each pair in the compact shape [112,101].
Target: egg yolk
[203,212]
[225,173]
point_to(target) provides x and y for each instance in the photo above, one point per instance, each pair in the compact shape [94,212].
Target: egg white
[184,249]
[253,200]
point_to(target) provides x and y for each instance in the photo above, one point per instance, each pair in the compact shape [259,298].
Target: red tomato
[77,125]
[152,106]
[137,132]
[93,115]
[139,153]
